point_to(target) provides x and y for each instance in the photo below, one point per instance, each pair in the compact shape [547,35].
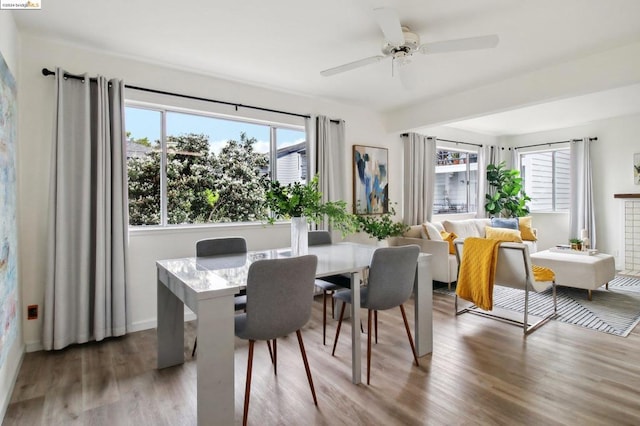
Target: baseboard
[153,323]
[131,328]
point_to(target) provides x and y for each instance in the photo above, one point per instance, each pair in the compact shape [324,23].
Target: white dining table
[207,286]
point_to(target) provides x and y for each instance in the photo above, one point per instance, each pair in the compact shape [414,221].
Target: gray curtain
[582,209]
[419,178]
[327,157]
[88,218]
[487,154]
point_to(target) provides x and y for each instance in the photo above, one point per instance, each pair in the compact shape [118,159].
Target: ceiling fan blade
[352,65]
[389,22]
[472,43]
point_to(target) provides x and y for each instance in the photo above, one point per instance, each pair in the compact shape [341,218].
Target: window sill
[182,229]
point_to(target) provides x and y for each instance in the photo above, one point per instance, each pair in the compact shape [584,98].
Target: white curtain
[88,218]
[582,209]
[419,178]
[327,157]
[487,154]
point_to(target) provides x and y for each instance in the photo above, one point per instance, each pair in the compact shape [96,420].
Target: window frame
[163,109]
[554,182]
[468,152]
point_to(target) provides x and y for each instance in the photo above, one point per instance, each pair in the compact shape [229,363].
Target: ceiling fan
[401,43]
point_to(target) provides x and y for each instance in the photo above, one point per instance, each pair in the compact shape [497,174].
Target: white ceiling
[558,114]
[284,44]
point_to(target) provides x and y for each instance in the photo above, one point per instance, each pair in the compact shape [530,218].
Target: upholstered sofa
[444,266]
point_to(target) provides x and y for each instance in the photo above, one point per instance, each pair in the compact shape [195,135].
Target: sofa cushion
[430,232]
[508,223]
[462,228]
[481,224]
[503,234]
[526,229]
[414,231]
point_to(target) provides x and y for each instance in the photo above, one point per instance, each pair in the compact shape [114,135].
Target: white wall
[36,102]
[612,161]
[9,370]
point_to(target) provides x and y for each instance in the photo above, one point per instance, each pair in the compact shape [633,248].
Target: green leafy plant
[508,197]
[576,243]
[297,200]
[381,226]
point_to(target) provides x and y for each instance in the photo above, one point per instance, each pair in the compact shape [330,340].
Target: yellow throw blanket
[540,273]
[477,271]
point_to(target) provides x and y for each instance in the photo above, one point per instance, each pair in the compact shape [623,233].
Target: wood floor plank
[482,371]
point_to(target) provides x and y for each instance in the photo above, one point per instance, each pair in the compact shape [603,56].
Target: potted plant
[381,226]
[508,198]
[302,203]
[576,244]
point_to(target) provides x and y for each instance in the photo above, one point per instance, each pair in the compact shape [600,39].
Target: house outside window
[190,168]
[456,184]
[547,180]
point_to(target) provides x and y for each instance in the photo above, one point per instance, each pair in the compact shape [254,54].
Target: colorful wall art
[370,180]
[8,225]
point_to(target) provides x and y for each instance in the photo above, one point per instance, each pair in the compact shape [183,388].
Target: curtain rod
[552,143]
[47,72]
[447,140]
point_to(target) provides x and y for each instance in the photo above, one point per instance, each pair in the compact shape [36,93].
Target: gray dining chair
[279,298]
[218,247]
[390,283]
[329,284]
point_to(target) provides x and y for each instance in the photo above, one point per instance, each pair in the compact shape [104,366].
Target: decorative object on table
[636,168]
[302,203]
[370,180]
[584,236]
[381,226]
[507,197]
[576,244]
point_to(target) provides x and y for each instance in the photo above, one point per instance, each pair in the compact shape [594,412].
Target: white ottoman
[578,270]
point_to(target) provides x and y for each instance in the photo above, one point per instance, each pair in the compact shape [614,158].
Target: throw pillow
[450,237]
[501,222]
[431,232]
[413,232]
[463,228]
[526,229]
[503,234]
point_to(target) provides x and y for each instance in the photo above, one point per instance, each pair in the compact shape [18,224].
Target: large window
[547,180]
[456,186]
[194,168]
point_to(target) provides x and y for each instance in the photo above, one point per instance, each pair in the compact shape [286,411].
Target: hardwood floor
[482,371]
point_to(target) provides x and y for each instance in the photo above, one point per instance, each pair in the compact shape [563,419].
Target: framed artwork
[8,211]
[370,180]
[636,169]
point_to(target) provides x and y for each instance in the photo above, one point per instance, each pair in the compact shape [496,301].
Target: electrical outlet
[32,312]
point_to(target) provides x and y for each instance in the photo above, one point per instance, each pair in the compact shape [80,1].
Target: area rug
[614,311]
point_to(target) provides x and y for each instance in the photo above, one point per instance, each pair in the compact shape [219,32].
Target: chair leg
[335,342]
[333,304]
[247,389]
[375,319]
[195,345]
[270,350]
[324,317]
[406,326]
[275,357]
[368,345]
[306,366]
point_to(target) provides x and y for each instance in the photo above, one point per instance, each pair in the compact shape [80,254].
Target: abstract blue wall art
[370,180]
[8,224]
